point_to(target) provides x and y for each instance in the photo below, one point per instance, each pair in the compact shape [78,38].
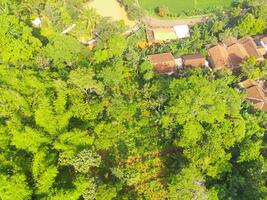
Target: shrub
[162,11]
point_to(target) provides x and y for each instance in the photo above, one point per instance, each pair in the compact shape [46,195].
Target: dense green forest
[82,123]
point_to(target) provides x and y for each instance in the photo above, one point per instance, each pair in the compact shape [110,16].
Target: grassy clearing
[178,6]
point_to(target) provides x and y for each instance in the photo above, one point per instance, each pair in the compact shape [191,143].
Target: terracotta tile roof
[229,41]
[248,83]
[193,60]
[218,57]
[233,52]
[256,94]
[163,63]
[264,107]
[250,46]
[237,54]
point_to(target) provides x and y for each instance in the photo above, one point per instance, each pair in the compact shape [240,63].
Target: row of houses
[165,63]
[228,54]
[232,52]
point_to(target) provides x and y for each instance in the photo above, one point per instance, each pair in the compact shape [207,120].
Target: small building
[229,41]
[163,63]
[218,57]
[193,60]
[237,54]
[250,46]
[182,31]
[159,35]
[164,34]
[256,93]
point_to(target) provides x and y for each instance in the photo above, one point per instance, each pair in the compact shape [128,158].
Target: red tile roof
[163,63]
[250,46]
[233,52]
[218,57]
[256,94]
[193,60]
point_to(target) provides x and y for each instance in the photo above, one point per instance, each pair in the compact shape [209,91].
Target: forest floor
[111,8]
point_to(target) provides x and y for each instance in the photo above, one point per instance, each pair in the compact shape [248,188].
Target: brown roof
[193,60]
[248,83]
[218,57]
[250,46]
[264,107]
[163,63]
[229,41]
[237,54]
[150,36]
[233,52]
[256,94]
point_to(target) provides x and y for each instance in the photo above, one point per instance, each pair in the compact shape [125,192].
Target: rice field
[178,6]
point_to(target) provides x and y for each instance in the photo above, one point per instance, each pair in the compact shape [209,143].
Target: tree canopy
[81,123]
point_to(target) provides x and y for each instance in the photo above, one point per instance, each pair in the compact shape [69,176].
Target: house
[163,63]
[237,54]
[232,52]
[250,46]
[159,35]
[218,57]
[193,60]
[164,34]
[229,41]
[256,93]
[182,31]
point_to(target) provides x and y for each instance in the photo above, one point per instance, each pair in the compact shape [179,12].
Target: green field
[178,6]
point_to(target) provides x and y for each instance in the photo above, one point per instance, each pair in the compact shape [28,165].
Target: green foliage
[189,184]
[81,123]
[14,187]
[63,51]
[18,46]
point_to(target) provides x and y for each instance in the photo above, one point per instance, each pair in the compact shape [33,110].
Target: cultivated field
[178,6]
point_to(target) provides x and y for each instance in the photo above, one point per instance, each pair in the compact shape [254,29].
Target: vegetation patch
[180,7]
